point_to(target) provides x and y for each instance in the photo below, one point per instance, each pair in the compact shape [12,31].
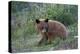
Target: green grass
[23,32]
[28,42]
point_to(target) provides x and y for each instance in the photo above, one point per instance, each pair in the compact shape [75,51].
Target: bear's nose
[44,30]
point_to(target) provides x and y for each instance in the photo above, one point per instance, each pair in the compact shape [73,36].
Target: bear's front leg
[49,39]
[40,42]
[43,39]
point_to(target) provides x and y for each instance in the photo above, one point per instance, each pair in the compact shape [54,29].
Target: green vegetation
[24,35]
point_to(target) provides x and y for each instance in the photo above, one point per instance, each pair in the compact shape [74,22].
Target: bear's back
[56,27]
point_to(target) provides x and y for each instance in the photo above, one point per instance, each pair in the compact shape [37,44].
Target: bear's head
[42,25]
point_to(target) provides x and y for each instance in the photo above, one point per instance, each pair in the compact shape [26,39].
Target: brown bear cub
[50,29]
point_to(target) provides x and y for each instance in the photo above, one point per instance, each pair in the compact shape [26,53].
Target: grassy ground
[28,43]
[24,35]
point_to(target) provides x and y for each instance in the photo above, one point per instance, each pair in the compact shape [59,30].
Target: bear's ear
[46,20]
[37,21]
